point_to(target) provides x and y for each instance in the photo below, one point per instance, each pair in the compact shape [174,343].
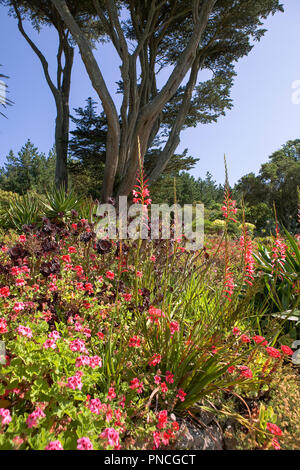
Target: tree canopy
[41,13]
[185,40]
[28,170]
[276,184]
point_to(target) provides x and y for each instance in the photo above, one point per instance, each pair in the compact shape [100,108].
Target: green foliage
[87,149]
[25,210]
[59,204]
[6,198]
[281,280]
[29,170]
[278,292]
[87,209]
[277,184]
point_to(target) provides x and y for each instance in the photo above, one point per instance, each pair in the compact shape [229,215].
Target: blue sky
[263,118]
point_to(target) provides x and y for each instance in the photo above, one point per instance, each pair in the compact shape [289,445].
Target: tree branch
[174,140]
[183,65]
[113,135]
[37,51]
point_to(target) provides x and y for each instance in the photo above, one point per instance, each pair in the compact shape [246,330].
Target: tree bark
[61,143]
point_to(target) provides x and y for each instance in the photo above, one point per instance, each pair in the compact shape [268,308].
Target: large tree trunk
[61,143]
[63,120]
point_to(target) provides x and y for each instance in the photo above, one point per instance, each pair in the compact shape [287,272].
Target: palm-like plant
[282,288]
[25,210]
[59,204]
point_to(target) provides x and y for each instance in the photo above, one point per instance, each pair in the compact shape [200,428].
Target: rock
[193,437]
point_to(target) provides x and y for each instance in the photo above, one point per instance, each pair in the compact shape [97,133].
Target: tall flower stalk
[246,245]
[141,195]
[278,251]
[229,209]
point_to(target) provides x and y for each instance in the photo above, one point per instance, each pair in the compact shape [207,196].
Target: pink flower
[24,331]
[95,406]
[72,249]
[15,270]
[174,326]
[122,401]
[134,342]
[169,377]
[112,437]
[111,394]
[95,361]
[229,207]
[4,292]
[157,379]
[274,429]
[156,438]
[52,287]
[164,387]
[78,345]
[78,326]
[154,315]
[279,252]
[231,369]
[273,352]
[246,372]
[74,382]
[5,415]
[181,395]
[3,325]
[54,334]
[34,417]
[156,358]
[19,306]
[82,361]
[249,264]
[260,340]
[50,343]
[236,331]
[84,444]
[162,419]
[136,384]
[54,445]
[228,285]
[145,192]
[245,339]
[127,297]
[286,350]
[110,275]
[275,444]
